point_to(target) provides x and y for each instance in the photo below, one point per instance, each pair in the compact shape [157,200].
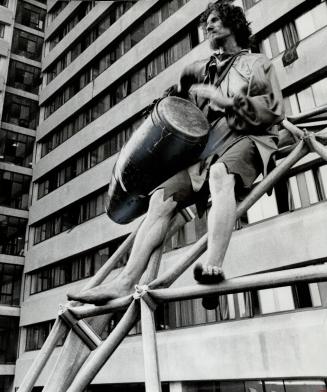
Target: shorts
[241,159]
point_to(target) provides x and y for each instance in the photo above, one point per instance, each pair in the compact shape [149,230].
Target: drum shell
[154,153]
[123,207]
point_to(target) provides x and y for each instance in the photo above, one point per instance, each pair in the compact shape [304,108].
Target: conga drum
[169,140]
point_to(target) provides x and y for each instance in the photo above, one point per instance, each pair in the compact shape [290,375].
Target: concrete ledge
[13,212]
[260,18]
[18,129]
[29,30]
[25,60]
[11,311]
[15,168]
[22,93]
[7,370]
[8,259]
[36,3]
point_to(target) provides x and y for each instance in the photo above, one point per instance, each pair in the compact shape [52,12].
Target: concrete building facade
[21,41]
[102,64]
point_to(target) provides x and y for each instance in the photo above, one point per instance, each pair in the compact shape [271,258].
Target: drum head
[182,116]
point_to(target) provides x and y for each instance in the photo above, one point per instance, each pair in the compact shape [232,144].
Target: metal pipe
[150,351]
[100,356]
[304,116]
[315,273]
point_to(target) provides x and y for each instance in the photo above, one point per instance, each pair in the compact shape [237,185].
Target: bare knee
[220,180]
[160,208]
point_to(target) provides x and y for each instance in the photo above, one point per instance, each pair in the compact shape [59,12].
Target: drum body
[169,140]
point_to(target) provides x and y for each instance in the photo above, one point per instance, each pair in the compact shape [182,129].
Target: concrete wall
[277,346]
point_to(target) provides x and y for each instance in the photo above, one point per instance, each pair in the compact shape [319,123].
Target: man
[239,93]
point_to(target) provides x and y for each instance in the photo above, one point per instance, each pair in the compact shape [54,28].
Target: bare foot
[208,274]
[100,295]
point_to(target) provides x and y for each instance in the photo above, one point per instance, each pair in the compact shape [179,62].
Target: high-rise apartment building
[21,40]
[77,82]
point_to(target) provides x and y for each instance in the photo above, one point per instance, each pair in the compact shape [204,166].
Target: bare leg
[151,233]
[221,220]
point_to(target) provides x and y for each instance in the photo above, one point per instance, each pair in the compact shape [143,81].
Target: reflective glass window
[10,284]
[12,235]
[20,111]
[16,148]
[27,45]
[23,76]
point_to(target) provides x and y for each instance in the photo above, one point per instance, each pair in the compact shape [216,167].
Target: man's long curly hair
[232,17]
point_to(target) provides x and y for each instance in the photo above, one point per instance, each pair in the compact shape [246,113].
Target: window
[16,148]
[37,334]
[2,30]
[14,190]
[23,76]
[70,217]
[10,283]
[30,15]
[20,111]
[75,268]
[9,327]
[295,31]
[307,99]
[55,11]
[27,45]
[107,147]
[12,235]
[135,387]
[249,3]
[302,385]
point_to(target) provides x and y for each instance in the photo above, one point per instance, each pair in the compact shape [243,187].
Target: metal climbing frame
[84,354]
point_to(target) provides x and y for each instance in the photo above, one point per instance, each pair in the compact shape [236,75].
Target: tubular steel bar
[58,331]
[306,115]
[100,355]
[150,351]
[81,328]
[315,273]
[168,277]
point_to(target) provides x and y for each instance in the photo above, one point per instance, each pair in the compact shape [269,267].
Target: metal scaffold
[84,353]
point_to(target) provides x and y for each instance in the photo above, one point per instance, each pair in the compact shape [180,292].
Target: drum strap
[205,107]
[226,69]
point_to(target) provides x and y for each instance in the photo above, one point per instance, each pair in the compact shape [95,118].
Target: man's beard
[216,42]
